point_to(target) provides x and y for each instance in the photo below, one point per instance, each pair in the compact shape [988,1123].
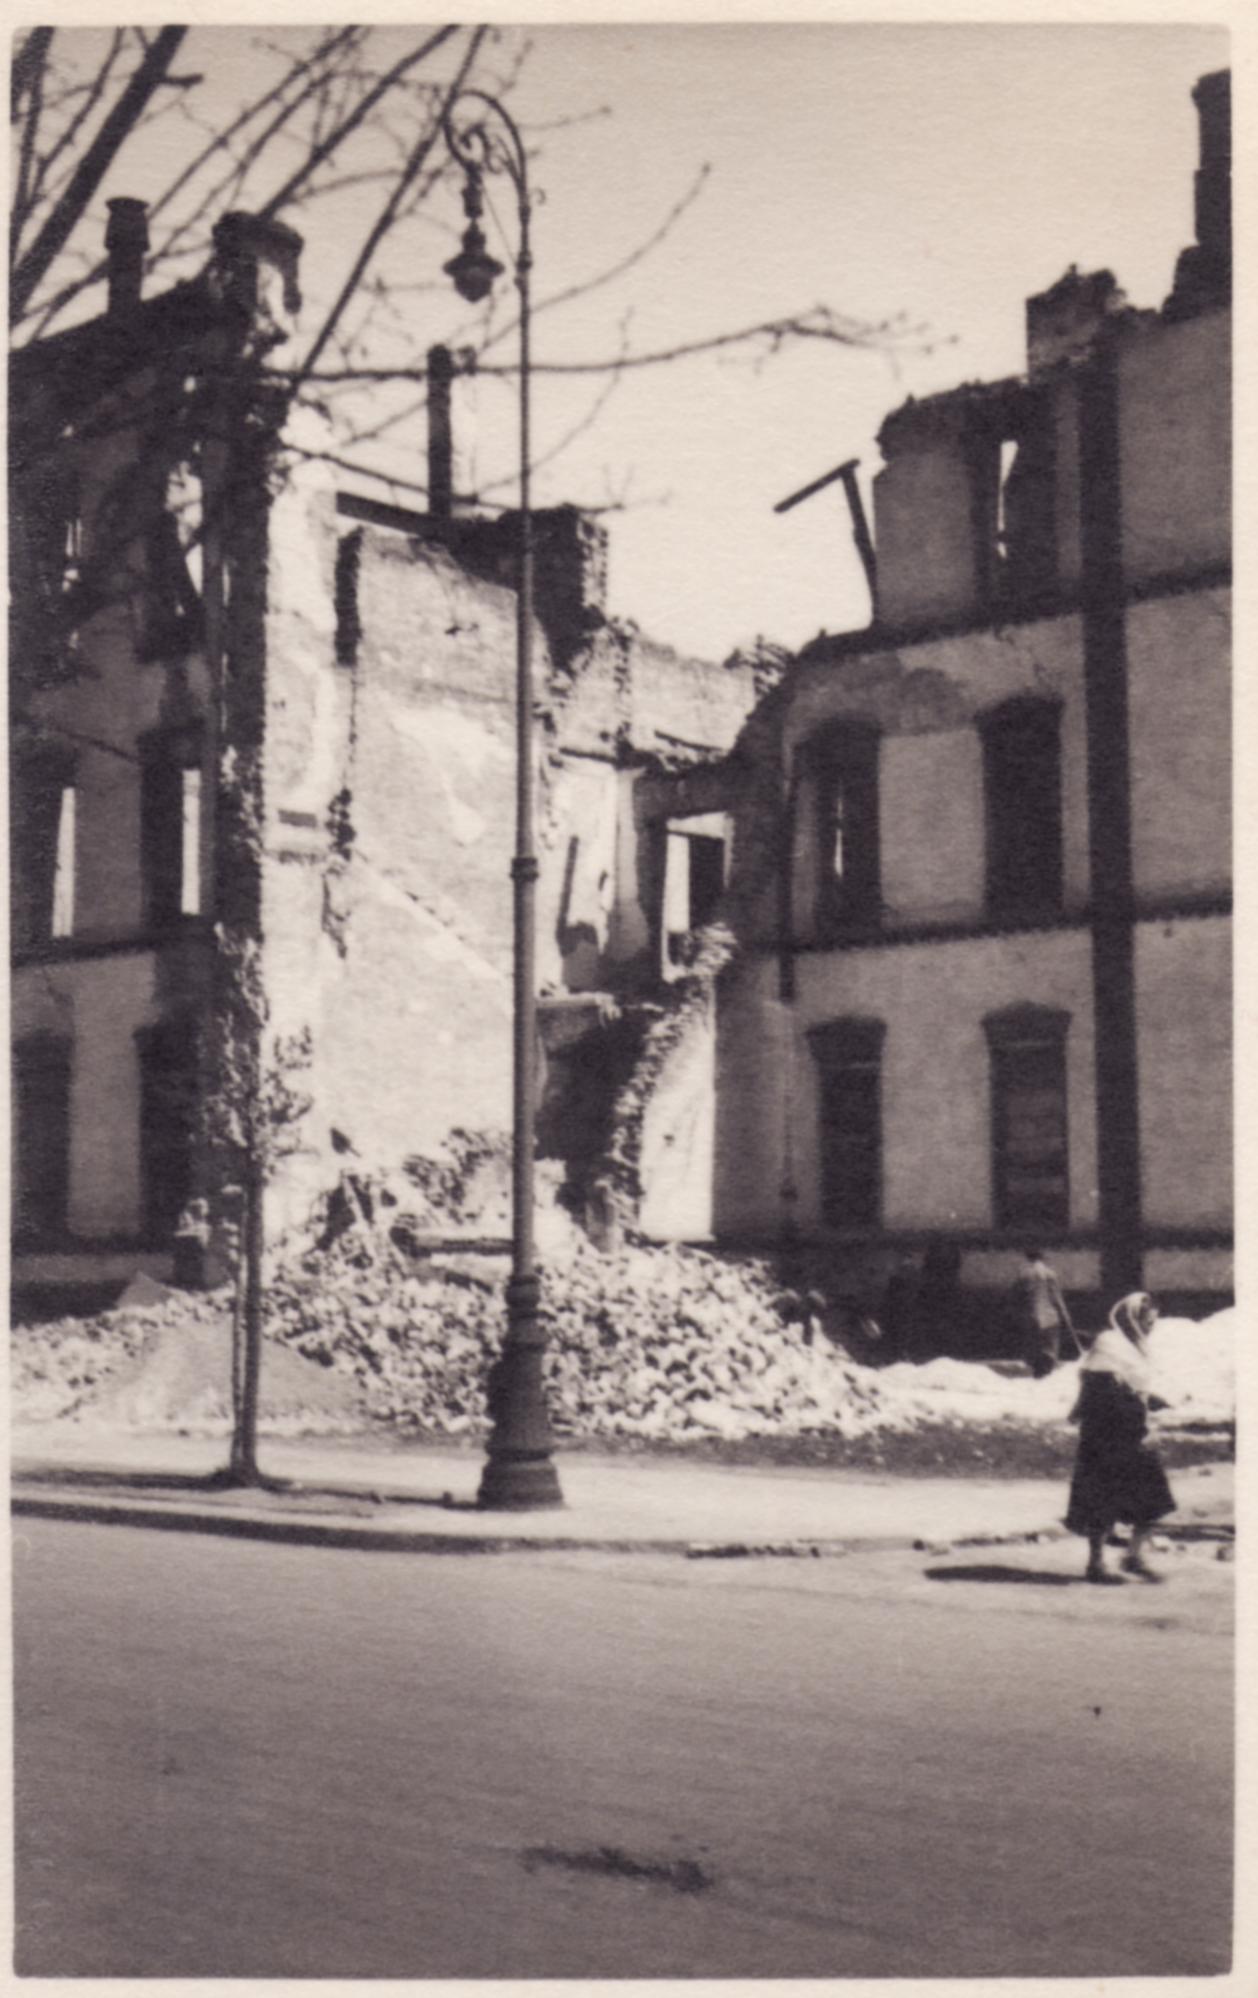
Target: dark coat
[1117,1475]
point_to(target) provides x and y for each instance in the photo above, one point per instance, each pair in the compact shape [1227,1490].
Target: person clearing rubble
[1118,1475]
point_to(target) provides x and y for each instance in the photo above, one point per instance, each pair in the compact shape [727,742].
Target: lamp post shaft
[519,1472]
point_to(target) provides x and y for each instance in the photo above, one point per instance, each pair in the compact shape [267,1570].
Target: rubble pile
[57,1368]
[664,1344]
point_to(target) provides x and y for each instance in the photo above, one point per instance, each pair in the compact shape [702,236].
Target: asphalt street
[242,1760]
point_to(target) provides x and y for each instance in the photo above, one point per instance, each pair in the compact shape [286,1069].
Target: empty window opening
[1013,472]
[835,833]
[1008,459]
[41,846]
[41,1139]
[71,550]
[190,848]
[845,764]
[170,827]
[168,1086]
[1030,1157]
[62,924]
[1022,781]
[694,882]
[848,1054]
[171,623]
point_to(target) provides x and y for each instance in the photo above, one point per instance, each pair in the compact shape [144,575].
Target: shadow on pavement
[993,1571]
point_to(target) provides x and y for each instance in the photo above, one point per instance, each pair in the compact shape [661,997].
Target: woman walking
[1118,1475]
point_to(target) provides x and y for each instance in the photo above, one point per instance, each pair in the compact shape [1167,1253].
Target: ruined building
[243,696]
[982,993]
[929,955]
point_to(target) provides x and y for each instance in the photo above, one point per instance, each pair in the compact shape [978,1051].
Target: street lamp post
[519,1472]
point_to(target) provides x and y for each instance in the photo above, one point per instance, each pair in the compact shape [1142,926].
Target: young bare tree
[252,1120]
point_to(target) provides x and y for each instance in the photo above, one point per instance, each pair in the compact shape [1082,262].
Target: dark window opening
[42,814]
[1022,778]
[848,1054]
[170,826]
[849,874]
[41,1140]
[171,620]
[168,1095]
[1030,1157]
[1013,497]
[694,885]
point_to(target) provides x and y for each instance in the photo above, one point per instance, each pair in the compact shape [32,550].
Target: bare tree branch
[384,221]
[29,66]
[92,96]
[613,271]
[329,50]
[93,167]
[292,187]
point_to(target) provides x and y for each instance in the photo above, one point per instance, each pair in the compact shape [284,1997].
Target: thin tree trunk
[245,1441]
[238,1346]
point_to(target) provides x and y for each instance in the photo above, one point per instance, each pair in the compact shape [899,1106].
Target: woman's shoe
[1105,1577]
[1139,1568]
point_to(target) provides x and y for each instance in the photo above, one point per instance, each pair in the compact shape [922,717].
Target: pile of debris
[391,1311]
[663,1344]
[56,1369]
[166,1364]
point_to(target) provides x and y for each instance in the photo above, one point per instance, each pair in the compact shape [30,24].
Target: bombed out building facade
[922,947]
[985,1002]
[201,617]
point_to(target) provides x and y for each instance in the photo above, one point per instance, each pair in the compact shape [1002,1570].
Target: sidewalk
[423,1500]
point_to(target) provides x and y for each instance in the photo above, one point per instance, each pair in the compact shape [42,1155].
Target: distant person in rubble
[1118,1475]
[1040,1314]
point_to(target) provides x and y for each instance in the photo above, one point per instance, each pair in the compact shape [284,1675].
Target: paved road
[255,1761]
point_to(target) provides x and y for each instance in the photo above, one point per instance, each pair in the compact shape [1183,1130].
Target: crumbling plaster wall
[923,524]
[1175,440]
[390,798]
[1175,418]
[676,1159]
[390,807]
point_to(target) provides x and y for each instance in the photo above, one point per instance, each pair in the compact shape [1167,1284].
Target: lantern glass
[473,271]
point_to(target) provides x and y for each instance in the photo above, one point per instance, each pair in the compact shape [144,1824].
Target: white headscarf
[1122,1349]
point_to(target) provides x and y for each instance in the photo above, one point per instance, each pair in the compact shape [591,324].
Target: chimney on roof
[440,434]
[1203,275]
[1212,203]
[256,267]
[126,245]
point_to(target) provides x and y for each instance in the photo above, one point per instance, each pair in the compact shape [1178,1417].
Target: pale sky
[941,173]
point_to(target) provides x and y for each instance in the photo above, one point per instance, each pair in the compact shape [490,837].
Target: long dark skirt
[1117,1475]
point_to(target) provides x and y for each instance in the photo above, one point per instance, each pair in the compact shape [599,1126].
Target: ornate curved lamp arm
[479,148]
